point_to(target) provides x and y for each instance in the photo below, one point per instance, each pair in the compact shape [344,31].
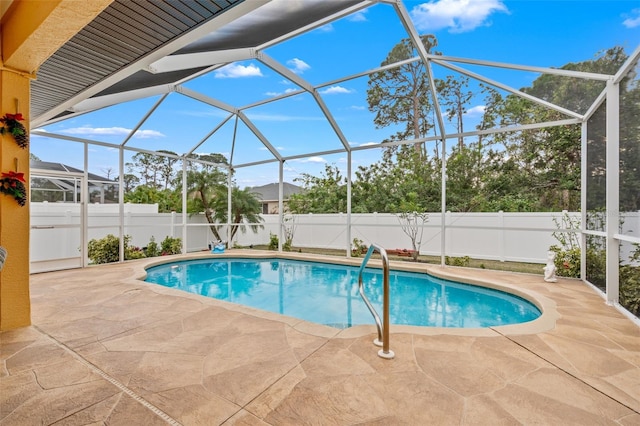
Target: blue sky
[526,32]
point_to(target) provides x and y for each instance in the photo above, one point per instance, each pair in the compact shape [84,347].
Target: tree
[412,222]
[245,209]
[546,162]
[531,170]
[155,171]
[629,137]
[107,171]
[453,99]
[382,186]
[208,193]
[401,96]
[377,187]
[130,182]
[167,200]
[206,183]
[324,194]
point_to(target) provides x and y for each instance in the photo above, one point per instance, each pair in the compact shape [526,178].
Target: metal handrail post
[385,305]
[383,328]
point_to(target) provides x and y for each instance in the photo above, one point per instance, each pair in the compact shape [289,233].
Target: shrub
[104,250]
[171,245]
[457,261]
[152,249]
[630,283]
[273,241]
[107,250]
[630,288]
[289,227]
[133,252]
[358,248]
[567,261]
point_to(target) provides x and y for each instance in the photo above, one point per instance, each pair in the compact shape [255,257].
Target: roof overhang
[139,49]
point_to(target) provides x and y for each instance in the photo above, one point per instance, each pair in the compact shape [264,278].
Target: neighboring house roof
[269,192]
[59,167]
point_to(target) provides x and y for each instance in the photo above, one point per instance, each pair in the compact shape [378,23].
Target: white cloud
[111,131]
[326,28]
[298,66]
[314,159]
[145,134]
[476,110]
[238,71]
[633,19]
[360,16]
[457,15]
[289,90]
[335,89]
[358,107]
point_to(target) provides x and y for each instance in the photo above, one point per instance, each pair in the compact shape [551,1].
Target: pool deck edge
[547,306]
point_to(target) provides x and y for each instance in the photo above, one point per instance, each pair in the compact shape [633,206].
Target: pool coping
[546,321]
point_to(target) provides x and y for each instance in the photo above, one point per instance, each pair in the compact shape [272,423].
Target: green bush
[457,261]
[152,249]
[630,288]
[567,261]
[132,252]
[630,283]
[107,250]
[273,241]
[358,247]
[104,250]
[171,245]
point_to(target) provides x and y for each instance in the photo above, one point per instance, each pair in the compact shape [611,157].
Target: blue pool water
[328,294]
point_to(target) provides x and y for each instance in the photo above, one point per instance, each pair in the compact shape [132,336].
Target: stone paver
[106,348]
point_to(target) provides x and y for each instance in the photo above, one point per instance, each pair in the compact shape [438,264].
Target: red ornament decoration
[12,183]
[11,124]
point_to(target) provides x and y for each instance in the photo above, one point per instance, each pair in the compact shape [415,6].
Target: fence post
[503,235]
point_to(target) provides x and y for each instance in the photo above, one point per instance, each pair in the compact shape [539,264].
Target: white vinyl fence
[523,237]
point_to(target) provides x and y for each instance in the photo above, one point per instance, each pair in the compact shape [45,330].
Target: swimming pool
[327,293]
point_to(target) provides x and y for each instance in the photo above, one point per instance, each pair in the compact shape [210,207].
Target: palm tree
[207,189]
[245,209]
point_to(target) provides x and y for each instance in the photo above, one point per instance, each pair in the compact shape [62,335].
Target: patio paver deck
[105,348]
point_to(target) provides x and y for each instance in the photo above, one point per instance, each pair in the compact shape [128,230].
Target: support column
[15,308]
[613,192]
[30,32]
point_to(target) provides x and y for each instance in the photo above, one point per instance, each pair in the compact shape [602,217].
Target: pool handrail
[383,327]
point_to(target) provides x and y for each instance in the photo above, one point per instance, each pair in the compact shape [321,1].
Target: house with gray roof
[268,195]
